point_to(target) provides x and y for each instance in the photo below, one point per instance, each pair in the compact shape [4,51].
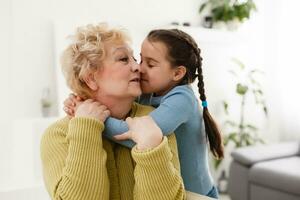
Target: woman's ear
[179,73]
[91,81]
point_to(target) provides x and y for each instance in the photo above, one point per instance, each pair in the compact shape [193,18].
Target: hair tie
[204,104]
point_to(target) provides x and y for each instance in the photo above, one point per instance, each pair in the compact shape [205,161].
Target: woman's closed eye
[124,59]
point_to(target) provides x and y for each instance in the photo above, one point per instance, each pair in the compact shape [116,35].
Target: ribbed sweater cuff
[158,155]
[85,130]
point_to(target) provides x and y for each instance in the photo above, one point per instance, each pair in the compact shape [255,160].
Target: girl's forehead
[154,49]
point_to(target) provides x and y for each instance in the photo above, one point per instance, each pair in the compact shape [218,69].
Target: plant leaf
[233,73]
[239,63]
[265,110]
[241,89]
[257,71]
[202,7]
[233,137]
[225,106]
[217,163]
[251,127]
[231,123]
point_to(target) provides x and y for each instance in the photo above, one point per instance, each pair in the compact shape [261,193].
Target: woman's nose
[136,67]
[142,68]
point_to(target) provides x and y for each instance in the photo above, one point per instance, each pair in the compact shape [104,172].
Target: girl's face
[119,74]
[157,75]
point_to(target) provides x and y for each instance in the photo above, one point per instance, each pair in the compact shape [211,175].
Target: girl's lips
[136,79]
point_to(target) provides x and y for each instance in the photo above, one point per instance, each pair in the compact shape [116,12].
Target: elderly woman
[78,163]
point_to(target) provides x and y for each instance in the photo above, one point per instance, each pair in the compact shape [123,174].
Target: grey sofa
[269,172]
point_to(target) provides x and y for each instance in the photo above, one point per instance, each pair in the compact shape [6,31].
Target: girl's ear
[179,73]
[91,81]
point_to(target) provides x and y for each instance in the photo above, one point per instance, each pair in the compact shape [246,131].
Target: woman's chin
[135,92]
[135,89]
[138,93]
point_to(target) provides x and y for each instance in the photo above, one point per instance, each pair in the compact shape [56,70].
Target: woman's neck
[119,108]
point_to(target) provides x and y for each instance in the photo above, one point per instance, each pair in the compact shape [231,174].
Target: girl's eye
[134,58]
[150,66]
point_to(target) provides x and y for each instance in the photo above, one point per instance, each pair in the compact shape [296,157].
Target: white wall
[289,68]
[5,68]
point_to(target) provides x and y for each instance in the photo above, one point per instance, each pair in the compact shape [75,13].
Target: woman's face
[156,71]
[119,74]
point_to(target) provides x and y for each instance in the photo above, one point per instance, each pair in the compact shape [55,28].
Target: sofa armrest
[251,155]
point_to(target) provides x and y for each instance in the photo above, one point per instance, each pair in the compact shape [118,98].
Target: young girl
[170,62]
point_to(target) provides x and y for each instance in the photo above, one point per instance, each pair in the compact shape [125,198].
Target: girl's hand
[71,104]
[143,131]
[92,109]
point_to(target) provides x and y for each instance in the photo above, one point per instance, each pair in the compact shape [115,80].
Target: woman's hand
[143,131]
[71,104]
[92,109]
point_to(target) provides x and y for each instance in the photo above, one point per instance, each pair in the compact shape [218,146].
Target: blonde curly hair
[85,53]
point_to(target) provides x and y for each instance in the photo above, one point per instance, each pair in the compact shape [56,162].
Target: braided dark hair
[184,51]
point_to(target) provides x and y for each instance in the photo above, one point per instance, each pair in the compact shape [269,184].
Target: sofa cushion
[258,192]
[281,174]
[254,154]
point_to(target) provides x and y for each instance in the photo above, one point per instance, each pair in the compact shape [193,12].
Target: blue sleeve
[173,111]
[114,127]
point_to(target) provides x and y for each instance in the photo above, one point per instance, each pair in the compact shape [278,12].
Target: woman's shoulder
[58,128]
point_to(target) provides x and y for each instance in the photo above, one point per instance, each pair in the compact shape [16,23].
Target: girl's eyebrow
[150,59]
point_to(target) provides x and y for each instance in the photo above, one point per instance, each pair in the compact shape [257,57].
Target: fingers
[68,111]
[129,121]
[89,101]
[106,113]
[124,136]
[73,99]
[94,109]
[78,98]
[68,102]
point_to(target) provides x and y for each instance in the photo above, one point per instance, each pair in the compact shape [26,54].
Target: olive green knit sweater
[79,164]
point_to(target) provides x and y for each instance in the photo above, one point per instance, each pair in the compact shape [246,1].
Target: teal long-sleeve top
[178,111]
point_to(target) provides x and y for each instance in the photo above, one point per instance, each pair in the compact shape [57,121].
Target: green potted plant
[227,13]
[238,131]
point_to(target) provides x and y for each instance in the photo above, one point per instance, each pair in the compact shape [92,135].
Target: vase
[233,25]
[46,111]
